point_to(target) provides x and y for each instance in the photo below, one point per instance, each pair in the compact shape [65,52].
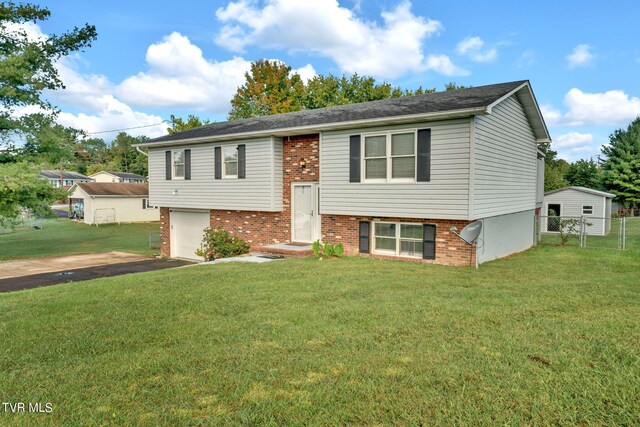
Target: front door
[304,213]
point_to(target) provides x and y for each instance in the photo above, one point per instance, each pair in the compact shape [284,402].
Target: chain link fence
[591,232]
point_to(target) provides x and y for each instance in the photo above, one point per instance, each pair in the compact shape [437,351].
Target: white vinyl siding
[261,190]
[446,196]
[574,203]
[505,164]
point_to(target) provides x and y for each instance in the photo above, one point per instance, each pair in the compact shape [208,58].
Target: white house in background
[576,202]
[387,178]
[68,178]
[126,177]
[102,202]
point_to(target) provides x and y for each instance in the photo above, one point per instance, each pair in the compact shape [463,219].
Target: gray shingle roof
[55,174]
[114,189]
[438,102]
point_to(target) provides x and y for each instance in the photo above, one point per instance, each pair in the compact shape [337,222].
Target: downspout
[140,151]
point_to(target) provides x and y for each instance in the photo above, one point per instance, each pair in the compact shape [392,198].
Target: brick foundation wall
[450,250]
[165,236]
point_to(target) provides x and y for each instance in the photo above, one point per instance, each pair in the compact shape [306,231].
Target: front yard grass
[65,237]
[549,336]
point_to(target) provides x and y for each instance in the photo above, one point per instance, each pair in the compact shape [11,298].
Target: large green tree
[28,64]
[21,190]
[270,88]
[622,164]
[178,124]
[584,173]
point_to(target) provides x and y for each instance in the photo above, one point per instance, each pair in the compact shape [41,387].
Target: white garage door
[186,233]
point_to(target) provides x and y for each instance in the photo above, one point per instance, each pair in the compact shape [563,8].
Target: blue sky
[152,60]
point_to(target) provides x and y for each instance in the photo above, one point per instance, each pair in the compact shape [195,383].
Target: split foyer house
[386,178]
[66,178]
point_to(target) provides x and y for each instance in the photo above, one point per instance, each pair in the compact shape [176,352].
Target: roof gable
[113,189]
[583,190]
[448,104]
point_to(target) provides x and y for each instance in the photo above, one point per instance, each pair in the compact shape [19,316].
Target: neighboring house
[108,176]
[101,202]
[68,178]
[577,202]
[387,178]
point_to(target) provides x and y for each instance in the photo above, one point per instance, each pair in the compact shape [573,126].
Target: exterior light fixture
[303,163]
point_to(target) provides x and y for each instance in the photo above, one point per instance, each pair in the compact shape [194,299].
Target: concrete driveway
[31,273]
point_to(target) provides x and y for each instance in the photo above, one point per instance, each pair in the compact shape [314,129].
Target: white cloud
[573,140]
[527,58]
[442,64]
[611,108]
[580,56]
[180,77]
[574,145]
[327,29]
[115,115]
[472,48]
[306,73]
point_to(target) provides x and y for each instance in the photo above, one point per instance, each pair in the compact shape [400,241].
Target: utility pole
[61,175]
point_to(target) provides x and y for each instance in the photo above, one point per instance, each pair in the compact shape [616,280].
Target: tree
[21,190]
[178,124]
[622,164]
[27,63]
[584,173]
[270,88]
[125,157]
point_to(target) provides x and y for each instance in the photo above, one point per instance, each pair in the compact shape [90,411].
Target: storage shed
[107,202]
[576,202]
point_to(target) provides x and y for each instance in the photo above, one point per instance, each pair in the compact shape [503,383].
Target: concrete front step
[286,249]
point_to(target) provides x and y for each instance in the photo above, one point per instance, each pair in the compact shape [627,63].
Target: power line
[134,127]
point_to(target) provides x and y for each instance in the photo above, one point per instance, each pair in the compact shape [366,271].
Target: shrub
[327,249]
[219,243]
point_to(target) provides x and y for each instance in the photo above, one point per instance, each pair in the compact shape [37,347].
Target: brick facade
[450,250]
[165,236]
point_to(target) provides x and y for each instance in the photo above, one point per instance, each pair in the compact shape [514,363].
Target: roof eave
[467,112]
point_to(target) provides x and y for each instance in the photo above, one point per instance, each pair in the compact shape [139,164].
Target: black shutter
[144,203]
[429,241]
[365,232]
[242,161]
[167,156]
[187,164]
[217,163]
[354,158]
[424,155]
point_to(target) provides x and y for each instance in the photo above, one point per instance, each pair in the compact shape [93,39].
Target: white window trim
[388,156]
[397,239]
[173,166]
[224,164]
[587,206]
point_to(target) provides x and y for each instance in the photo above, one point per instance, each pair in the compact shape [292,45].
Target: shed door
[187,230]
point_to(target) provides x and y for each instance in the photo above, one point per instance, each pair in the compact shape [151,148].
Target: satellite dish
[470,233]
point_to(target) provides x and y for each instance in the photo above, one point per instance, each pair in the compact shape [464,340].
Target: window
[398,239]
[68,183]
[178,164]
[230,162]
[587,210]
[390,157]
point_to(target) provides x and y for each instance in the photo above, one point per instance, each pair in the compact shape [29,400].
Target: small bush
[327,249]
[219,243]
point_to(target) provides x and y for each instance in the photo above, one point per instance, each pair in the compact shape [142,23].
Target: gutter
[322,127]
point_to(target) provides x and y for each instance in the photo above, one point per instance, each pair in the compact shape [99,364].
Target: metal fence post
[582,232]
[624,232]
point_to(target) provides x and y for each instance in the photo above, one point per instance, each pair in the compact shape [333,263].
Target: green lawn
[545,337]
[64,237]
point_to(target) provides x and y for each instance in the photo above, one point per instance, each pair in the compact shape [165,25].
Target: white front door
[304,213]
